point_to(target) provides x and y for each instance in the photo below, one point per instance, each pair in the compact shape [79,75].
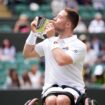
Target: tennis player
[64,58]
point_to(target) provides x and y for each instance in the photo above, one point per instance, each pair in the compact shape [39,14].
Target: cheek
[60,24]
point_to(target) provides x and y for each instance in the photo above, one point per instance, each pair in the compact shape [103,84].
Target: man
[64,57]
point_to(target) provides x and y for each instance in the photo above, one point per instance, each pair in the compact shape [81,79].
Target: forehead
[62,13]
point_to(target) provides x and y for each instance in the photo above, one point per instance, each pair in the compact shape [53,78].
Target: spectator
[0,54]
[80,2]
[36,1]
[98,75]
[87,2]
[8,51]
[72,4]
[97,25]
[90,60]
[83,38]
[96,44]
[99,59]
[26,82]
[4,10]
[104,3]
[16,2]
[4,2]
[57,5]
[84,2]
[81,27]
[12,81]
[102,54]
[98,4]
[35,76]
[41,82]
[34,7]
[22,25]
[91,55]
[86,74]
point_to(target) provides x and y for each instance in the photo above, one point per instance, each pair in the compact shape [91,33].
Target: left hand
[50,30]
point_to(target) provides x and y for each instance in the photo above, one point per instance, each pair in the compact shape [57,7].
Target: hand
[33,25]
[50,30]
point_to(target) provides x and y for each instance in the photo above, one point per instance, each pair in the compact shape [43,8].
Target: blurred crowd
[94,65]
[96,25]
[32,79]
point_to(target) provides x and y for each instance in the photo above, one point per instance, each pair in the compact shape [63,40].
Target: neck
[66,35]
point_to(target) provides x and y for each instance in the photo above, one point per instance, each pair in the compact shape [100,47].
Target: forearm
[61,57]
[28,50]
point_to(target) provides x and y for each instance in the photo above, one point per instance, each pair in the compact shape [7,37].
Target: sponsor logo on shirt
[55,42]
[75,51]
[65,48]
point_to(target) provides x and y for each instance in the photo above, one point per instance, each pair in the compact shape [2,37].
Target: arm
[29,47]
[71,56]
[61,57]
[75,54]
[29,51]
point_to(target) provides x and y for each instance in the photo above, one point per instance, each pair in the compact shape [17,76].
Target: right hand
[50,30]
[33,25]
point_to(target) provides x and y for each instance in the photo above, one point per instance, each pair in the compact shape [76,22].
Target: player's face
[60,21]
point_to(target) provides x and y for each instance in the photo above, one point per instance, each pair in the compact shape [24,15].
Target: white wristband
[53,43]
[31,40]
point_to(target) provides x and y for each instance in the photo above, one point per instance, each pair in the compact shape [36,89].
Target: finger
[51,21]
[33,23]
[47,27]
[50,25]
[33,26]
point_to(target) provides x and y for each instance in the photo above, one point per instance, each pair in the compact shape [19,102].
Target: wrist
[53,43]
[31,39]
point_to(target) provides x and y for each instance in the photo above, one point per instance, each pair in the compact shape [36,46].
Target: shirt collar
[72,38]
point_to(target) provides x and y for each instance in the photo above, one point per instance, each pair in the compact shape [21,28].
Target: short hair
[72,16]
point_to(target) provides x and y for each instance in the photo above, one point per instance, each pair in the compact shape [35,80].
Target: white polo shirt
[71,74]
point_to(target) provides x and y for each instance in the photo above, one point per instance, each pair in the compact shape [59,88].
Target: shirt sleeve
[39,48]
[77,54]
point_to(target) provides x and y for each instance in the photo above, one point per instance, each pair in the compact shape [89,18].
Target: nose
[54,19]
